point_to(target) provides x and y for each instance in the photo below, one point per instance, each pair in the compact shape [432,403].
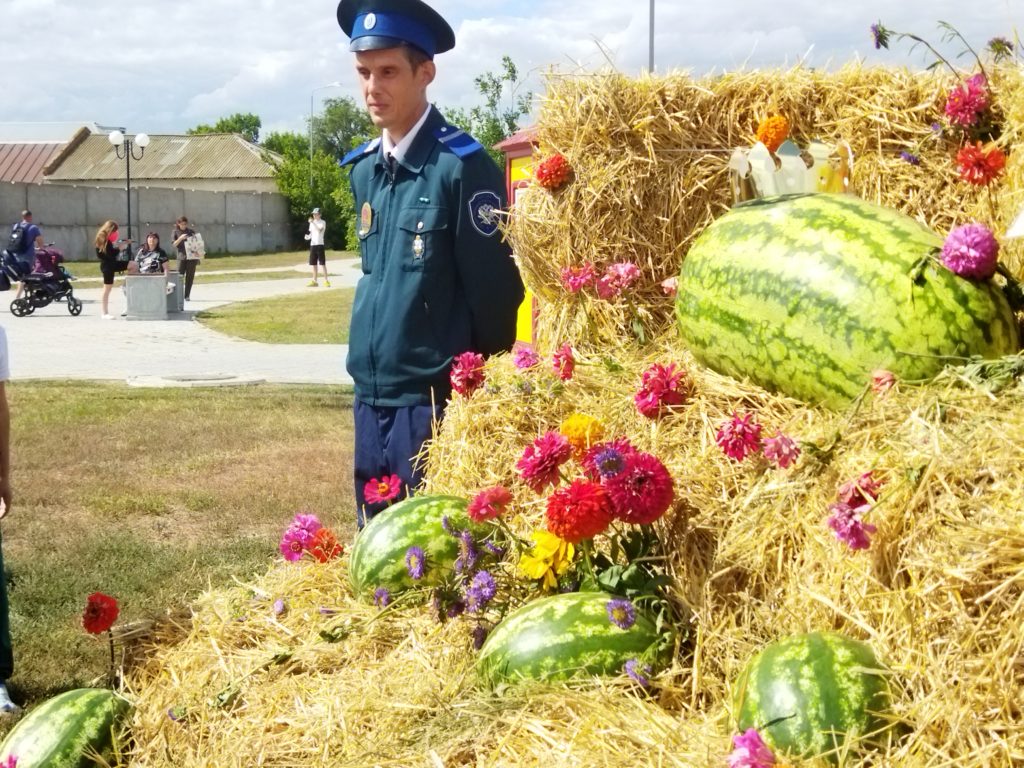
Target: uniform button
[419,225]
[443,129]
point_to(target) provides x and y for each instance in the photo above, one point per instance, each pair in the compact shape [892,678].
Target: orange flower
[978,165]
[324,545]
[772,131]
[553,172]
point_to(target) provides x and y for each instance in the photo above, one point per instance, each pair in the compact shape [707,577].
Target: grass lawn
[154,496]
[320,316]
[225,261]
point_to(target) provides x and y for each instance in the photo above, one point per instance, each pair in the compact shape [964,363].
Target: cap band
[395,26]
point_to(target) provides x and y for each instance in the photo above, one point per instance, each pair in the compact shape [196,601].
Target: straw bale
[650,159]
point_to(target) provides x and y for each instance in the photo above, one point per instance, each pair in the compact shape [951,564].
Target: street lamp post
[311,113]
[124,147]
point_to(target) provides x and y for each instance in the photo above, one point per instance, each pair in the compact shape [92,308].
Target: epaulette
[359,151]
[457,140]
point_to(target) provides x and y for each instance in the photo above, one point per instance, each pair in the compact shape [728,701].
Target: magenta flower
[739,437]
[563,362]
[467,373]
[607,459]
[848,525]
[575,279]
[971,251]
[489,503]
[882,381]
[616,279]
[750,751]
[643,491]
[541,460]
[383,489]
[863,490]
[967,101]
[524,356]
[781,450]
[298,536]
[661,387]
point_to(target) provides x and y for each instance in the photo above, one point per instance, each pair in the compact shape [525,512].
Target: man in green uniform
[438,279]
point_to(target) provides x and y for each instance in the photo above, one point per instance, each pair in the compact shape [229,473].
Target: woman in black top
[151,258]
[186,267]
[108,250]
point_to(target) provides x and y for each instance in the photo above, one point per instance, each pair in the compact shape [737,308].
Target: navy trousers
[387,440]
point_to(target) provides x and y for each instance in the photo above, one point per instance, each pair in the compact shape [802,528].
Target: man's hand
[5,499]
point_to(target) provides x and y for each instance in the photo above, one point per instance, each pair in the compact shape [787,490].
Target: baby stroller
[47,282]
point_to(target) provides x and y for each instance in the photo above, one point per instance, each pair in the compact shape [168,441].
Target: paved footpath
[52,344]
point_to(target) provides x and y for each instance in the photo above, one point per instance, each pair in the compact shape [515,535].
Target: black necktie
[391,167]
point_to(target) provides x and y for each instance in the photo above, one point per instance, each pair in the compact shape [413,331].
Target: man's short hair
[414,56]
[26,214]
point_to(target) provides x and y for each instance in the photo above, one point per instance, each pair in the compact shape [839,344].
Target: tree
[492,122]
[329,192]
[284,142]
[246,124]
[343,125]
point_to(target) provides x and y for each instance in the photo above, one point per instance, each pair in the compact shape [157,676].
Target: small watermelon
[806,693]
[64,731]
[378,555]
[567,635]
[809,294]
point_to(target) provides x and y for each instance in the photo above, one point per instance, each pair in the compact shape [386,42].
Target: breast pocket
[368,241]
[423,237]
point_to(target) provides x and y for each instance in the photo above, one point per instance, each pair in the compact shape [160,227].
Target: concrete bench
[146,297]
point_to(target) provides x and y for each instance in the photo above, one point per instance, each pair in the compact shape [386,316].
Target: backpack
[17,242]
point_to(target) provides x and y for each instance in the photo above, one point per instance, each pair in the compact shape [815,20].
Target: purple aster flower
[455,608]
[494,549]
[880,35]
[525,387]
[910,157]
[325,611]
[971,251]
[638,671]
[479,634]
[279,607]
[468,554]
[621,612]
[936,127]
[524,356]
[176,713]
[1000,47]
[381,597]
[481,591]
[446,526]
[415,562]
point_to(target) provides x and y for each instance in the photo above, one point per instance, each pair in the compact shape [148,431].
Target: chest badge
[365,220]
[417,247]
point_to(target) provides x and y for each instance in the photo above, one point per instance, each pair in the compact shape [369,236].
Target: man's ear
[426,73]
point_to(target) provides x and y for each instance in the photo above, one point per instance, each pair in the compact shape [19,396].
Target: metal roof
[204,156]
[25,162]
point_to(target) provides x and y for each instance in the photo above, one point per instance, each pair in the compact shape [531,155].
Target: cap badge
[370,21]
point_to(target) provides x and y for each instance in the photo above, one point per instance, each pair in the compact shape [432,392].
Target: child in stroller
[47,282]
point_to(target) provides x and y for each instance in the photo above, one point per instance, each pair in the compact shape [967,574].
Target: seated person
[46,261]
[151,258]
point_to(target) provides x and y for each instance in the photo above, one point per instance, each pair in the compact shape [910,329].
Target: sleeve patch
[483,212]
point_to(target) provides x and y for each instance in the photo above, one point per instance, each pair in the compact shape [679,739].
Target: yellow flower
[550,558]
[582,431]
[772,131]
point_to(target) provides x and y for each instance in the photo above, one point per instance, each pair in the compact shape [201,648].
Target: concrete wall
[230,222]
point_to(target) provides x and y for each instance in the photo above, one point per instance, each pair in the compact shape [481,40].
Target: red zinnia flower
[978,165]
[863,490]
[324,546]
[380,490]
[642,492]
[580,511]
[552,172]
[541,460]
[563,362]
[489,503]
[739,436]
[100,613]
[781,450]
[467,373]
[662,386]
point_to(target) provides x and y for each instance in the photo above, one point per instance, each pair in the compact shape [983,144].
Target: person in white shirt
[317,255]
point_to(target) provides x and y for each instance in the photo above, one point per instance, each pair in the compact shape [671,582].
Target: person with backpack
[25,237]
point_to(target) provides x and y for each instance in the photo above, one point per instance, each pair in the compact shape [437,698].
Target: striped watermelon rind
[808,294]
[807,694]
[565,636]
[64,731]
[378,555]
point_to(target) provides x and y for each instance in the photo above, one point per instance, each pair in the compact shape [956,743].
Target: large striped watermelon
[566,635]
[808,294]
[378,555]
[64,731]
[806,693]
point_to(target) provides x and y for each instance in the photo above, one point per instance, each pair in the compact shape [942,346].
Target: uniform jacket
[438,279]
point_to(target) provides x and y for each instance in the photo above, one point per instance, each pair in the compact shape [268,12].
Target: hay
[650,160]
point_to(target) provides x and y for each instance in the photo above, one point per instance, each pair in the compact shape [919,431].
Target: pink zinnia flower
[781,450]
[617,278]
[489,503]
[642,492]
[739,437]
[575,279]
[967,101]
[750,751]
[309,523]
[670,286]
[541,460]
[661,387]
[524,356]
[882,381]
[383,489]
[971,251]
[849,527]
[294,543]
[563,362]
[467,373]
[863,490]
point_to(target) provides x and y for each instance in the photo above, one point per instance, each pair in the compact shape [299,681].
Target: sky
[163,66]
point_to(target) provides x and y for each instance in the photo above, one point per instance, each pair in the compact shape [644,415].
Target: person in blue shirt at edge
[33,240]
[438,278]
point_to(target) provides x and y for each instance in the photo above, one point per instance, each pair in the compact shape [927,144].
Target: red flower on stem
[552,172]
[542,458]
[100,613]
[467,373]
[661,387]
[382,490]
[978,165]
[325,546]
[489,503]
[580,511]
[563,362]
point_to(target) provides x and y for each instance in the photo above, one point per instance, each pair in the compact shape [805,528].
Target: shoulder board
[359,151]
[457,140]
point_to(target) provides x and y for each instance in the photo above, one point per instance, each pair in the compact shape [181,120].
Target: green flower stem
[520,547]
